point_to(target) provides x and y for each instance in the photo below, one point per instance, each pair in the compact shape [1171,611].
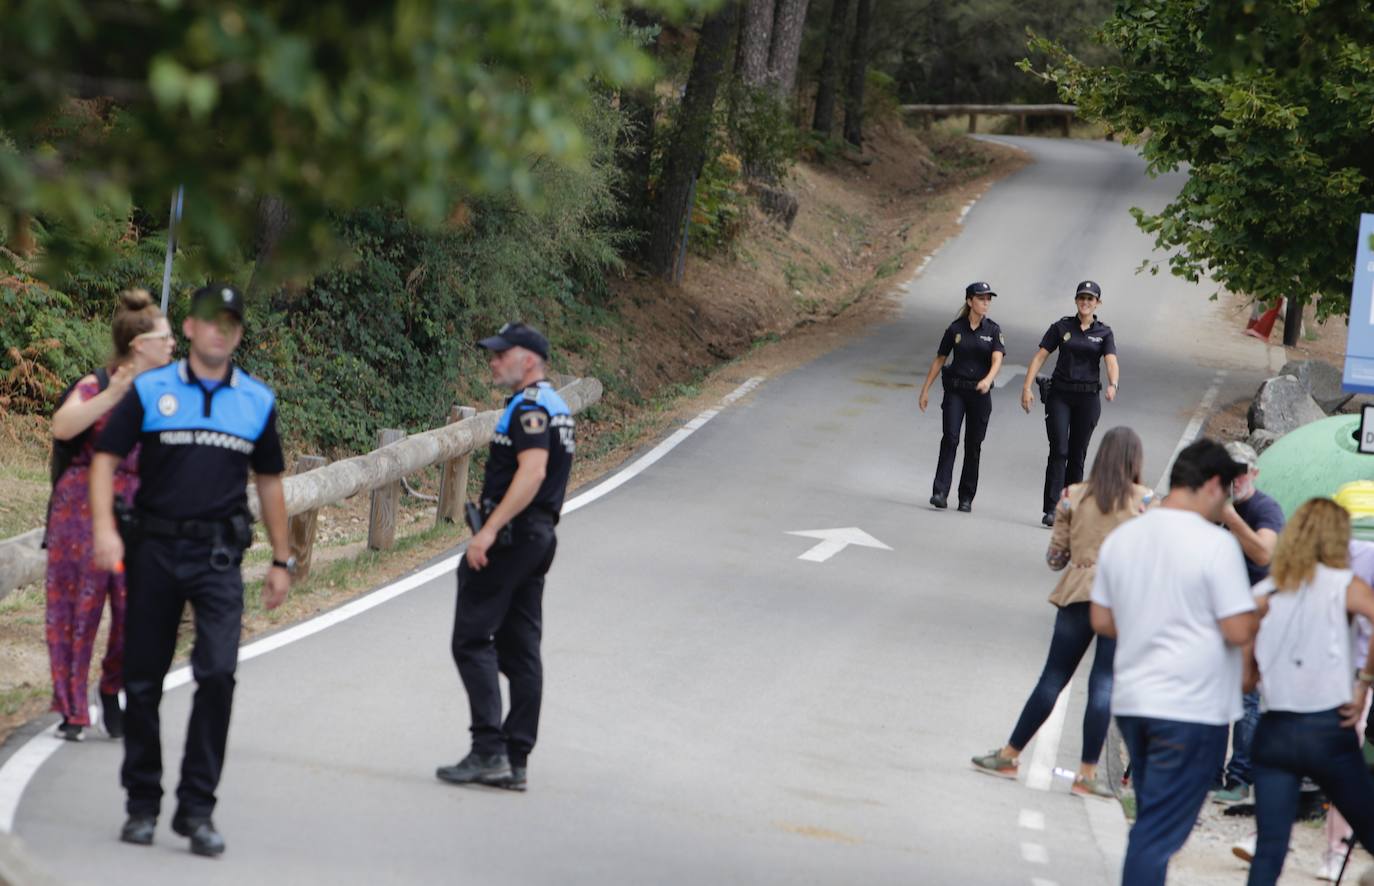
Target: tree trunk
[635,150]
[789,24]
[691,135]
[858,72]
[274,218]
[21,241]
[824,119]
[755,41]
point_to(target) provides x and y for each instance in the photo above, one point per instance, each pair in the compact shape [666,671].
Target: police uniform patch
[957,336]
[1067,336]
[534,422]
[167,404]
[1002,338]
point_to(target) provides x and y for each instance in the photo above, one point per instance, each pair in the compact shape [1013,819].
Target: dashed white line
[1031,820]
[1035,853]
[1041,881]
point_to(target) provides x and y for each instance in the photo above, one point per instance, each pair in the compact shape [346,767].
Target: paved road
[718,710]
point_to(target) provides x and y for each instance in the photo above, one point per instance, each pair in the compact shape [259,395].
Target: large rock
[1283,404]
[1322,380]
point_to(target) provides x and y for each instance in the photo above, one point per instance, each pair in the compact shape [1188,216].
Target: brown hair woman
[76,589]
[1089,511]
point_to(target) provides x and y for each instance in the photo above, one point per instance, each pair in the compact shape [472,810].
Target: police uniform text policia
[202,424]
[974,347]
[1072,406]
[499,617]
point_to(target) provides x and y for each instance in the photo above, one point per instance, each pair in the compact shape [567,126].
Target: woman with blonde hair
[1086,514]
[1302,661]
[76,589]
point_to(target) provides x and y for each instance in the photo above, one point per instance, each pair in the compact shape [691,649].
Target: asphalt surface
[718,710]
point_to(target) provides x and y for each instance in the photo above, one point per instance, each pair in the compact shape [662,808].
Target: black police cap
[1088,287]
[209,301]
[517,335]
[978,288]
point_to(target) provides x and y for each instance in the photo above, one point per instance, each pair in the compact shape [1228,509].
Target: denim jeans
[1172,765]
[1073,633]
[1239,771]
[1287,747]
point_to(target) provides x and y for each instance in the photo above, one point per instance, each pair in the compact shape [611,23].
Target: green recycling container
[1316,461]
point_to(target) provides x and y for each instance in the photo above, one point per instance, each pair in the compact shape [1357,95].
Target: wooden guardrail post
[972,122]
[386,501]
[301,527]
[453,483]
[1066,119]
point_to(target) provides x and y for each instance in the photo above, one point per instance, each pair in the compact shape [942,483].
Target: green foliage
[718,207]
[966,50]
[761,131]
[1268,105]
[328,106]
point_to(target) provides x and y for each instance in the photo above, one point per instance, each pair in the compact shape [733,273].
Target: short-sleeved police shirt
[972,348]
[199,440]
[1080,351]
[535,418]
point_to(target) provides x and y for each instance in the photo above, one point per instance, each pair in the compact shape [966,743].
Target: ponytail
[135,315]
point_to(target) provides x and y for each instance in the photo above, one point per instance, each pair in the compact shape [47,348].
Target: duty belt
[196,530]
[1077,387]
[955,383]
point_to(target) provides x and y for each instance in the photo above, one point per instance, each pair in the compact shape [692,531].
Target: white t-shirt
[1303,645]
[1168,577]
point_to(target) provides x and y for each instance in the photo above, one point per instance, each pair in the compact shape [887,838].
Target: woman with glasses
[1072,406]
[76,590]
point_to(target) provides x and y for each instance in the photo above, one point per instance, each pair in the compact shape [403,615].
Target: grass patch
[13,700]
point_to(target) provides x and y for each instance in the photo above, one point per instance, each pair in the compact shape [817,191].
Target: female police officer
[1072,406]
[977,346]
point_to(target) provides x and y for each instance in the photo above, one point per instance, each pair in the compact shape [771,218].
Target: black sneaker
[939,501]
[1048,519]
[205,840]
[965,506]
[517,779]
[139,830]
[69,731]
[112,715]
[475,768]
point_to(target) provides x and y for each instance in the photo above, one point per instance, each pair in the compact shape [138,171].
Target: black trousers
[972,410]
[1069,422]
[496,630]
[163,576]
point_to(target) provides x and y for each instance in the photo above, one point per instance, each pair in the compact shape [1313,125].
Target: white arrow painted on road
[835,540]
[1008,372]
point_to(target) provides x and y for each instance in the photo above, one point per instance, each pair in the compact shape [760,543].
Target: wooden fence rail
[1065,113]
[23,562]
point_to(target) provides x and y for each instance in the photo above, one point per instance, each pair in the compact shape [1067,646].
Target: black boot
[112,715]
[205,840]
[139,830]
[475,768]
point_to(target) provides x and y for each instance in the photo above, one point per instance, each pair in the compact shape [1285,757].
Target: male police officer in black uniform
[202,423]
[974,346]
[1072,407]
[501,579]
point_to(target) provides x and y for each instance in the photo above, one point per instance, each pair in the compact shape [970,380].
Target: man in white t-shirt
[1171,587]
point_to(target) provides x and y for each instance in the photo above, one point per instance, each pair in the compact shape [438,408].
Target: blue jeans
[1172,764]
[1287,747]
[1239,771]
[1073,633]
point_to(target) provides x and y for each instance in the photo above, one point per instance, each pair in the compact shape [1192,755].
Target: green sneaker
[1091,788]
[1238,794]
[993,763]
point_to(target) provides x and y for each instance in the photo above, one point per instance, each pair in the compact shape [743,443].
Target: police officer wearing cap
[974,346]
[202,424]
[1072,406]
[498,622]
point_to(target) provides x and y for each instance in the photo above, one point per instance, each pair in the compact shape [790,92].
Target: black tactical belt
[954,383]
[1077,387]
[192,529]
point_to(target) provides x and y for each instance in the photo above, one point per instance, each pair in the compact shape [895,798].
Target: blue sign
[1359,348]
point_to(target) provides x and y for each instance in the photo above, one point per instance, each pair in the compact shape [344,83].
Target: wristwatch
[289,564]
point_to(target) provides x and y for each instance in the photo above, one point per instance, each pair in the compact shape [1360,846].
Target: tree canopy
[324,106]
[1269,105]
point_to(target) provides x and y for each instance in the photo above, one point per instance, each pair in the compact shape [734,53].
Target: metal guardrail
[23,562]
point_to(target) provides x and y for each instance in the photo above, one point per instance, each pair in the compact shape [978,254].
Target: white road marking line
[23,764]
[1035,853]
[1194,427]
[1041,771]
[1031,820]
[964,212]
[1041,881]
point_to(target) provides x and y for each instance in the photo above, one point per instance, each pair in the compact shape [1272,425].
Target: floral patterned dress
[76,589]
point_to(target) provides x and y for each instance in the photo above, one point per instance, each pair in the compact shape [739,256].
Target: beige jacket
[1079,530]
